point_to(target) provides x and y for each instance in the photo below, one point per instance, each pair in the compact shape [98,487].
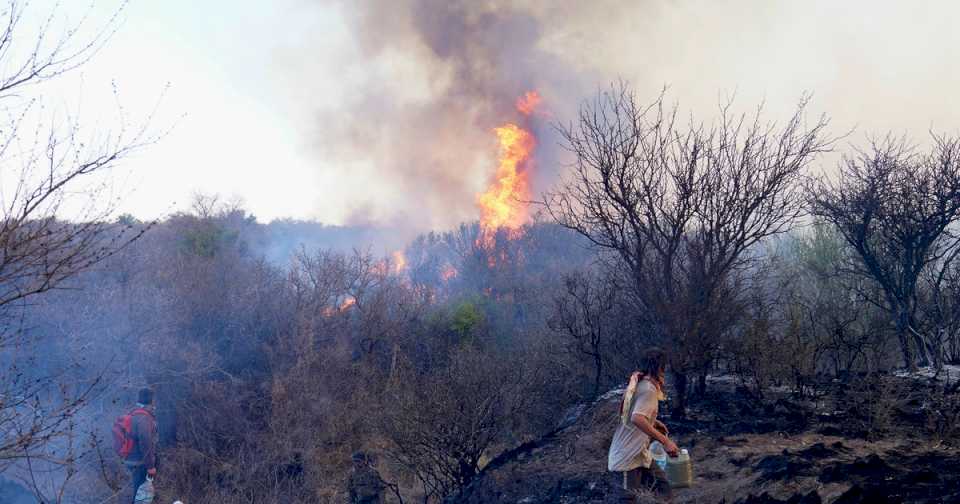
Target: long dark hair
[653,363]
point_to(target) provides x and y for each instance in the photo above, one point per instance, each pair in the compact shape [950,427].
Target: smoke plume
[422,83]
[420,127]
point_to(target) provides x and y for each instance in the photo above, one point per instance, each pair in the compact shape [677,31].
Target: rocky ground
[749,451]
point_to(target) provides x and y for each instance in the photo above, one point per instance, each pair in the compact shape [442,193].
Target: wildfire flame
[448,273]
[347,302]
[527,103]
[503,204]
[399,262]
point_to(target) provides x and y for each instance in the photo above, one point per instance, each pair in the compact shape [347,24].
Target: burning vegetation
[277,372]
[424,373]
[504,204]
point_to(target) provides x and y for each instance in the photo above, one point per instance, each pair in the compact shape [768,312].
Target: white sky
[234,126]
[248,78]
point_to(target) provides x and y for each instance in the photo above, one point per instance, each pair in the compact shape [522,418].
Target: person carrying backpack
[638,427]
[135,440]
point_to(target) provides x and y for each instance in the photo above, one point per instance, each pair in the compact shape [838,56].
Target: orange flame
[527,103]
[503,204]
[499,205]
[448,273]
[347,302]
[399,262]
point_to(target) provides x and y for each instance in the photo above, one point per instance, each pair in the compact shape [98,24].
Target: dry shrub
[761,356]
[320,415]
[942,414]
[870,402]
[441,425]
[227,451]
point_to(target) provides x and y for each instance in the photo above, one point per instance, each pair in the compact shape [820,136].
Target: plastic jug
[680,470]
[145,493]
[659,454]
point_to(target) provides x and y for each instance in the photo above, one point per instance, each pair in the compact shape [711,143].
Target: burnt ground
[745,451]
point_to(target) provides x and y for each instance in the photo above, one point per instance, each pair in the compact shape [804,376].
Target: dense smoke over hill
[437,79]
[423,83]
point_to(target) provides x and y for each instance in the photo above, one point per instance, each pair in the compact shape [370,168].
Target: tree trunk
[902,322]
[597,370]
[923,356]
[680,383]
[702,384]
[393,362]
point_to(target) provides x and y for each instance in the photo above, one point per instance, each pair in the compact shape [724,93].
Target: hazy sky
[353,111]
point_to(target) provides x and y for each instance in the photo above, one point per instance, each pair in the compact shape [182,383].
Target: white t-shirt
[630,446]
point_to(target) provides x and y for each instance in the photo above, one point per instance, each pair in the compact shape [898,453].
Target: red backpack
[123,440]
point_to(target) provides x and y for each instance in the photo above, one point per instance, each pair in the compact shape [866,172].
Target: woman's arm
[660,426]
[644,424]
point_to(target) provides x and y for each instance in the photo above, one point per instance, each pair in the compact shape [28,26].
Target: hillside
[745,451]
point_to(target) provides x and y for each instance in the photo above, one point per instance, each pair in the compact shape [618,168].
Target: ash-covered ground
[845,443]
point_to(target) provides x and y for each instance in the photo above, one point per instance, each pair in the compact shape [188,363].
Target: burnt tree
[895,208]
[681,206]
[585,312]
[441,425]
[940,308]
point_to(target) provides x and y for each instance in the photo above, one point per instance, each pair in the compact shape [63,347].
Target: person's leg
[631,479]
[632,484]
[138,475]
[653,479]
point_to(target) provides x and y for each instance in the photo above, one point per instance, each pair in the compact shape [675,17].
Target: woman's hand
[670,447]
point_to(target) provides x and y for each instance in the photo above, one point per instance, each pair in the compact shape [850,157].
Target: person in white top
[638,427]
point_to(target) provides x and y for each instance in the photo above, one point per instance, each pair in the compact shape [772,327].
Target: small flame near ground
[504,203]
[448,273]
[343,305]
[399,262]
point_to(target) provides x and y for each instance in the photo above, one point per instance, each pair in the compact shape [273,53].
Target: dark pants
[138,475]
[649,480]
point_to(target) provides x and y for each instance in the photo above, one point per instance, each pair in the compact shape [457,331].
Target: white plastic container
[680,470]
[659,454]
[145,493]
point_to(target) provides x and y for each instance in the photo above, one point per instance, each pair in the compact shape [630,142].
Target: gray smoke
[424,137]
[424,81]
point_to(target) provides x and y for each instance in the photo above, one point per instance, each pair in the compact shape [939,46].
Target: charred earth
[778,449]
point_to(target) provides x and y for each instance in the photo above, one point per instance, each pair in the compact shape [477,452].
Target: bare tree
[940,308]
[440,426]
[50,166]
[47,170]
[682,206]
[839,323]
[584,312]
[895,208]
